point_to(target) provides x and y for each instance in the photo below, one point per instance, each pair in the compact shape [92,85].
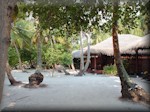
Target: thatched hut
[102,53]
[106,47]
[142,43]
[139,61]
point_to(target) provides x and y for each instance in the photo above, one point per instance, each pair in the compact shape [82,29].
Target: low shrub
[110,69]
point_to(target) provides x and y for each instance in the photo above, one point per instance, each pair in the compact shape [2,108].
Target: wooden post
[94,63]
[136,60]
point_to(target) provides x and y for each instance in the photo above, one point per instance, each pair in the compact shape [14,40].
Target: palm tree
[129,89]
[20,37]
[17,43]
[9,75]
[36,39]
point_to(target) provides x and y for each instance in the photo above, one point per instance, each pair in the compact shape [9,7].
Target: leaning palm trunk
[9,75]
[129,89]
[19,58]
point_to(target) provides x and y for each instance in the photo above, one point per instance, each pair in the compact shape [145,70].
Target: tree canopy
[60,21]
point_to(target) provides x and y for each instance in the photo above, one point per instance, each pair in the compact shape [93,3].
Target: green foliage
[147,14]
[68,19]
[57,55]
[64,17]
[28,55]
[66,59]
[52,56]
[99,36]
[21,33]
[140,29]
[110,69]
[63,22]
[12,57]
[85,14]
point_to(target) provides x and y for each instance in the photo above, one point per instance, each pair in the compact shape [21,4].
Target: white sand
[89,92]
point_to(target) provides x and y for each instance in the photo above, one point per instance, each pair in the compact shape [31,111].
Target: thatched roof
[106,47]
[143,42]
[77,53]
[142,52]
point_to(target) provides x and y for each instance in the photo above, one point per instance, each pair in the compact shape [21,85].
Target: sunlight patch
[117,80]
[115,86]
[7,94]
[12,104]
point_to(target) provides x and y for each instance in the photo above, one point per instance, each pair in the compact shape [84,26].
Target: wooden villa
[134,53]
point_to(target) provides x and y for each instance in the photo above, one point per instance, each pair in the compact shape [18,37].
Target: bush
[110,69]
[12,57]
[66,59]
[52,56]
[57,55]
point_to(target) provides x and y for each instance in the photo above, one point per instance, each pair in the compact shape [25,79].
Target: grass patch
[110,70]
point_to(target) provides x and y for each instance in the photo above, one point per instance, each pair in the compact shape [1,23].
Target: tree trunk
[81,72]
[61,68]
[19,58]
[10,77]
[36,78]
[129,89]
[88,52]
[6,12]
[53,38]
[84,68]
[39,53]
[72,66]
[81,55]
[51,42]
